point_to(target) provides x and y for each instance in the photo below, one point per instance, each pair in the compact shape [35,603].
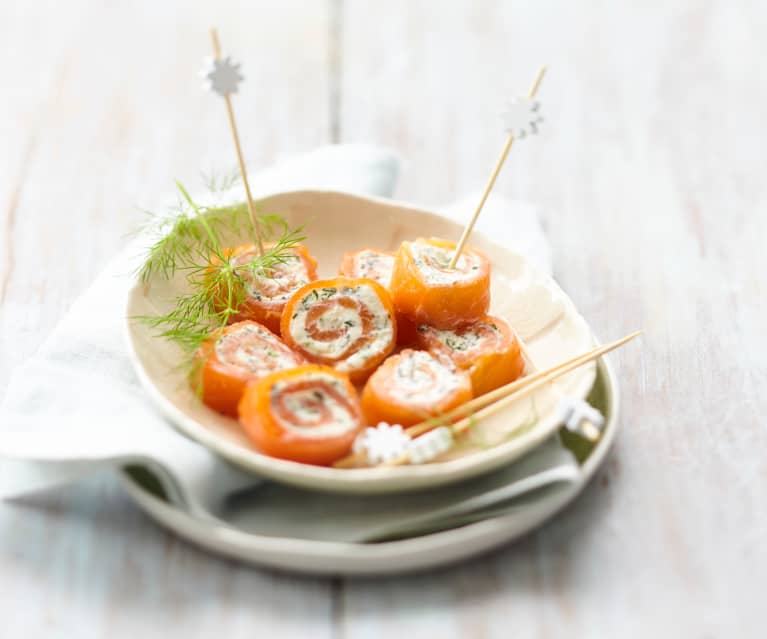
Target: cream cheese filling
[347,322]
[432,263]
[375,266]
[257,350]
[302,404]
[422,380]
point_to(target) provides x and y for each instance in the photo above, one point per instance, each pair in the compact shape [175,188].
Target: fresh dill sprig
[191,230]
[217,182]
[192,242]
[186,232]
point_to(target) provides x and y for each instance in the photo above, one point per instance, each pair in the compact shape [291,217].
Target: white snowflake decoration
[581,417]
[221,75]
[382,443]
[522,117]
[431,445]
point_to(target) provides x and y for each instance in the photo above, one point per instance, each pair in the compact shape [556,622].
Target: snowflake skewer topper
[221,75]
[581,417]
[382,443]
[522,117]
[431,445]
[387,443]
[521,123]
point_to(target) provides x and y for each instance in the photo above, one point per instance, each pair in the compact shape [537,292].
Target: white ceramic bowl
[544,317]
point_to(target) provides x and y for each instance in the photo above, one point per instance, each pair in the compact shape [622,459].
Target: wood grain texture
[101,109]
[649,175]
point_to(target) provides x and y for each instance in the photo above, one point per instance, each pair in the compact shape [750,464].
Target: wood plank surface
[101,110]
[648,175]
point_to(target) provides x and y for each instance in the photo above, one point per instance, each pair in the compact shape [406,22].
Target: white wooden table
[651,179]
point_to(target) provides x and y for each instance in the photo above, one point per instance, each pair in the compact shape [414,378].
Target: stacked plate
[326,520]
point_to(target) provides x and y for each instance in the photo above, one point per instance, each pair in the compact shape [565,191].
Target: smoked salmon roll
[310,414]
[266,294]
[235,355]
[378,265]
[427,291]
[412,386]
[370,263]
[343,322]
[488,350]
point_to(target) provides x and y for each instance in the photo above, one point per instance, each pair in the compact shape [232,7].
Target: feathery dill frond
[189,230]
[190,241]
[217,182]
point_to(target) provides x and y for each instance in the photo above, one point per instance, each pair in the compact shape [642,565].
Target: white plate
[532,302]
[419,553]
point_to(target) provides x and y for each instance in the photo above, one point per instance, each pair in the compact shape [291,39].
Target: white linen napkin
[80,385]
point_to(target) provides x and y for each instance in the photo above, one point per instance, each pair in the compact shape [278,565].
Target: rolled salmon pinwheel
[235,355]
[427,291]
[370,263]
[267,294]
[310,414]
[342,322]
[487,349]
[412,386]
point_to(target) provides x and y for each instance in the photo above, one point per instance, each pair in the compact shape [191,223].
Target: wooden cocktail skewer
[240,160]
[491,182]
[586,428]
[468,409]
[541,380]
[589,430]
[520,384]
